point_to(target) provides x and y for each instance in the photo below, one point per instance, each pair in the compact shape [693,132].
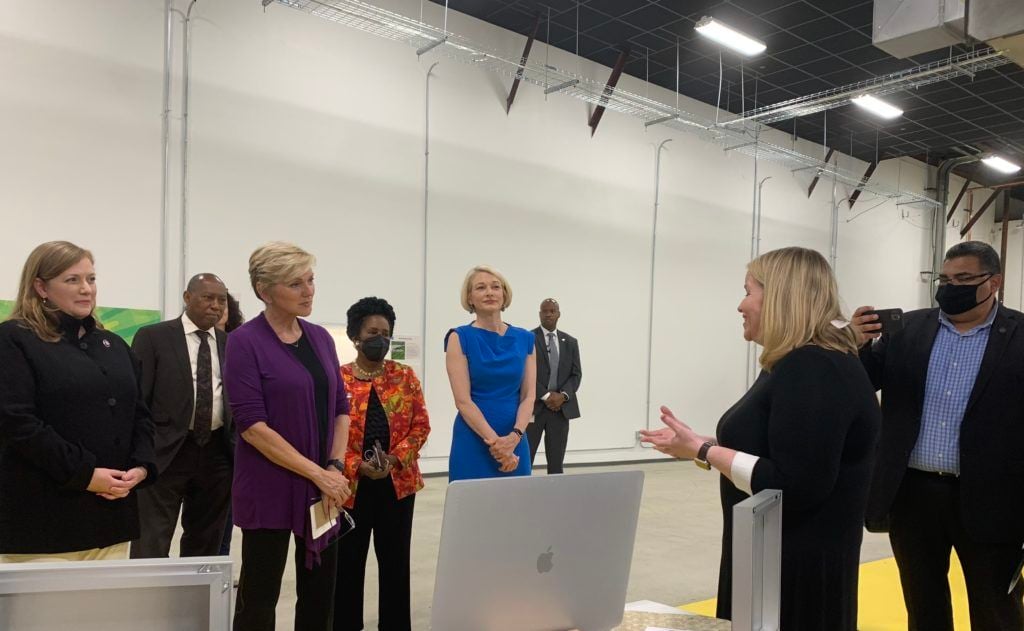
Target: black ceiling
[813,45]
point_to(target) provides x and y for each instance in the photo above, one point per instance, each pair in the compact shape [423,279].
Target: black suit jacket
[570,373]
[991,435]
[167,386]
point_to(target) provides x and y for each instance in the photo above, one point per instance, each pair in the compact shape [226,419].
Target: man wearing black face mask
[950,467]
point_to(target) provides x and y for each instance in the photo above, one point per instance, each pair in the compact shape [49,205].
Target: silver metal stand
[757,562]
[192,594]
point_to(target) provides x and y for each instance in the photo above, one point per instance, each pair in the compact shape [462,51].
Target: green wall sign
[120,320]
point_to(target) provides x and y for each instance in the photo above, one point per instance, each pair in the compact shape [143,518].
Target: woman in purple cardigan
[291,411]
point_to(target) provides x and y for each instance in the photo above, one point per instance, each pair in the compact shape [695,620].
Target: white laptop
[546,553]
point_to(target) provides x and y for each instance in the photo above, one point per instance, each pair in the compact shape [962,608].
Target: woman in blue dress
[492,370]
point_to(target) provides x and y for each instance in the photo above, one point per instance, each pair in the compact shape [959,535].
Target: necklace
[294,344]
[366,375]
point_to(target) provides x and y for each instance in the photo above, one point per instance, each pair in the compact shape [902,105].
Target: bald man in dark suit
[558,378]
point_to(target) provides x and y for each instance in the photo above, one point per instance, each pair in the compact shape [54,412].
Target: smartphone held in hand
[890,319]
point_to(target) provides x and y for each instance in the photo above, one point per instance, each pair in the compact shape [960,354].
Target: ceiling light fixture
[1001,164]
[877,106]
[727,36]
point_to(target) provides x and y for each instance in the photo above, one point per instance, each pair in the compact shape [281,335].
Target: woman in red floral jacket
[389,426]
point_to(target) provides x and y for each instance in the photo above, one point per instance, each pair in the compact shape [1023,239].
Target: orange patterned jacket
[400,394]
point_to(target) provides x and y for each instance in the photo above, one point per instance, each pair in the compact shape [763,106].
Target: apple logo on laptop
[545,561]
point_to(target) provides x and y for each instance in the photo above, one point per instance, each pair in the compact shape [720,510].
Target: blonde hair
[467,286]
[46,262]
[277,262]
[801,299]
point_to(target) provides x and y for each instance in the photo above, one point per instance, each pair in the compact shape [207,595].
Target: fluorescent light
[876,106]
[1001,164]
[727,36]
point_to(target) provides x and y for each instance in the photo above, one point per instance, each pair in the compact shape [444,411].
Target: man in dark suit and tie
[558,378]
[950,463]
[181,361]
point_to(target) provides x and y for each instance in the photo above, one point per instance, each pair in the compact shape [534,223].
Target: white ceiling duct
[1001,24]
[904,28]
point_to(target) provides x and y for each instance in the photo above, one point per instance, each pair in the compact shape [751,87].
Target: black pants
[264,554]
[225,543]
[198,484]
[925,524]
[377,511]
[555,428]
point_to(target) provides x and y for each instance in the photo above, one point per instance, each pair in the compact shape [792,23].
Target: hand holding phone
[890,319]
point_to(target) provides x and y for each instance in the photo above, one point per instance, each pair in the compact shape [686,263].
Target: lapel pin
[106,343]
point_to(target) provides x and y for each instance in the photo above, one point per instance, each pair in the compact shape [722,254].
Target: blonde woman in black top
[75,438]
[807,426]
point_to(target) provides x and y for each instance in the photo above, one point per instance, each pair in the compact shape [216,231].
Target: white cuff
[742,470]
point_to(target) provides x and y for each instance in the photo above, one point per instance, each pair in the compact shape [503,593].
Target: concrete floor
[675,559]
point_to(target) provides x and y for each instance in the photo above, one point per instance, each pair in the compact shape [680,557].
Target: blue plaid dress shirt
[952,370]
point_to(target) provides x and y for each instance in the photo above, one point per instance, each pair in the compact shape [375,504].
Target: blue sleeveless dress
[496,366]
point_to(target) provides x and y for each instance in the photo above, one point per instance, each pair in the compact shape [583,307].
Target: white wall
[80,86]
[305,130]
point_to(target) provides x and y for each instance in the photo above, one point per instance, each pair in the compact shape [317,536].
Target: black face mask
[375,348]
[957,299]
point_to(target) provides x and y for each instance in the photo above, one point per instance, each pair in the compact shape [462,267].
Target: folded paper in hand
[322,518]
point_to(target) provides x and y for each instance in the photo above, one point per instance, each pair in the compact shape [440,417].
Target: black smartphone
[890,319]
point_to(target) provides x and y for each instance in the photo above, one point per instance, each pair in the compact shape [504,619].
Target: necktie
[203,416]
[552,361]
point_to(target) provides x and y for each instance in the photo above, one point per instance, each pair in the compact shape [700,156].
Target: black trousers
[555,428]
[264,554]
[925,523]
[197,484]
[379,512]
[225,544]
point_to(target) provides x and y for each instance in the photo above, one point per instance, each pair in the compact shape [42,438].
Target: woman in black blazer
[807,426]
[75,438]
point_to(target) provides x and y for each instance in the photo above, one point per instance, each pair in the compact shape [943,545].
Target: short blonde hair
[467,286]
[801,299]
[46,262]
[277,262]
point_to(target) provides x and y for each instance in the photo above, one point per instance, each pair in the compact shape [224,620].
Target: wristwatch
[337,464]
[518,432]
[701,460]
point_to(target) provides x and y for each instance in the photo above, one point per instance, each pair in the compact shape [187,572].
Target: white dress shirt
[192,341]
[742,471]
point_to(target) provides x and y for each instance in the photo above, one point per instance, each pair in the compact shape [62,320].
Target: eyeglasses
[960,279]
